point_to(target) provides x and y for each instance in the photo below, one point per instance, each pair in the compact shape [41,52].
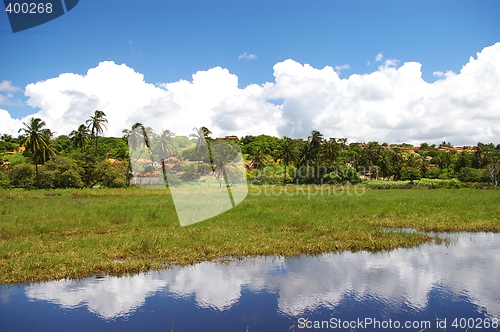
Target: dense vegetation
[85,158]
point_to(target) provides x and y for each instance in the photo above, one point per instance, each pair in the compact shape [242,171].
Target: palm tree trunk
[211,157]
[284,178]
[164,171]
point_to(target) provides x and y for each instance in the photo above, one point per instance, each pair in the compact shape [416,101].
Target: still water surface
[433,283]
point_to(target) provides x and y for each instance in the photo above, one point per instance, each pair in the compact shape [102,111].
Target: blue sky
[168,41]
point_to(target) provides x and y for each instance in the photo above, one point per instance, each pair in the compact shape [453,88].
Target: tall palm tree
[330,150]
[289,153]
[163,148]
[206,133]
[315,141]
[258,157]
[137,136]
[203,143]
[224,155]
[96,123]
[36,140]
[80,136]
[305,153]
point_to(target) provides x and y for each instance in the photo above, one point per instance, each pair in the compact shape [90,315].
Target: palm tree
[96,124]
[315,141]
[258,157]
[289,153]
[36,140]
[203,143]
[80,136]
[330,150]
[162,146]
[305,153]
[137,136]
[224,155]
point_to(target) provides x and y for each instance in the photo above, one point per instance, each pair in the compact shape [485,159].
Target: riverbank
[47,235]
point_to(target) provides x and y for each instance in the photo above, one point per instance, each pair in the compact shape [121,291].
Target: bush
[61,172]
[342,175]
[447,174]
[433,173]
[22,175]
[109,175]
[410,173]
[468,174]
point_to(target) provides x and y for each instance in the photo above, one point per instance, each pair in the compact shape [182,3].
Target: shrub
[468,174]
[22,175]
[61,172]
[410,173]
[342,175]
[109,175]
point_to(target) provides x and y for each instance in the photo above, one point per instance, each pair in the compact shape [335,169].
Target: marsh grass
[47,235]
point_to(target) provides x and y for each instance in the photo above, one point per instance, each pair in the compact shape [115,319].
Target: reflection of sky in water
[400,282]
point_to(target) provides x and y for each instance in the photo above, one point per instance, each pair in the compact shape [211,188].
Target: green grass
[14,158]
[47,235]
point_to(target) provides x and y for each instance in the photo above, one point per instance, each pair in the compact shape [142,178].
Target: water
[459,283]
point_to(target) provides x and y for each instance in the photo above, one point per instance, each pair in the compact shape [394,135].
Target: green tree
[410,173]
[80,137]
[61,172]
[108,175]
[258,158]
[162,148]
[36,140]
[138,136]
[202,136]
[330,151]
[483,155]
[315,141]
[96,123]
[203,145]
[223,155]
[22,175]
[289,153]
[468,174]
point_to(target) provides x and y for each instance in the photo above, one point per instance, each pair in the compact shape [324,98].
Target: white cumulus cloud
[7,91]
[391,104]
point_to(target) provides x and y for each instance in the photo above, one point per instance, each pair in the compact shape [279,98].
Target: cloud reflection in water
[400,278]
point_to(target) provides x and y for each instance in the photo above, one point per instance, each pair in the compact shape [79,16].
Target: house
[228,138]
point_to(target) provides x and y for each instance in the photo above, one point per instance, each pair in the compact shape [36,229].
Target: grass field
[47,235]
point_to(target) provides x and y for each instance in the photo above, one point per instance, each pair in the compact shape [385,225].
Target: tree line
[373,160]
[86,158]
